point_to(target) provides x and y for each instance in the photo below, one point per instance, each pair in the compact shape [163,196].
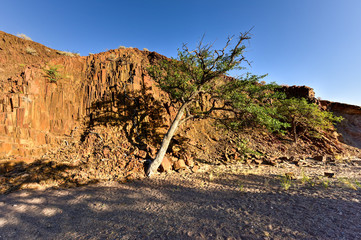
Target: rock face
[350,127]
[300,92]
[36,113]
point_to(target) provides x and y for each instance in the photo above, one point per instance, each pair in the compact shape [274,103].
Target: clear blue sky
[297,42]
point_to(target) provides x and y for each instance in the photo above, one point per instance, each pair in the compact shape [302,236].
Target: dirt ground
[233,201]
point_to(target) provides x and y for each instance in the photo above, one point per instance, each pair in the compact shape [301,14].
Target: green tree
[202,71]
[252,103]
[298,113]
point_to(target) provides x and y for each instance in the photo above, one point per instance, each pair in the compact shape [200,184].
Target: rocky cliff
[37,114]
[350,127]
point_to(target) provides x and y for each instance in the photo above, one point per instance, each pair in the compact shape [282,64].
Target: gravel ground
[229,202]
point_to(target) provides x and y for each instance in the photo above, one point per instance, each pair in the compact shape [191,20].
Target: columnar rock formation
[36,113]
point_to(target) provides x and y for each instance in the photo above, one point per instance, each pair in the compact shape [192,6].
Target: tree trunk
[294,128]
[166,140]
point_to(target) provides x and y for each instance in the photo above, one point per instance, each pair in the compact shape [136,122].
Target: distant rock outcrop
[300,92]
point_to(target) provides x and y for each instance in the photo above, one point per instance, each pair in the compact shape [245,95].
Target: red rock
[166,165]
[152,151]
[195,168]
[300,92]
[142,154]
[189,162]
[20,112]
[290,175]
[180,164]
[106,151]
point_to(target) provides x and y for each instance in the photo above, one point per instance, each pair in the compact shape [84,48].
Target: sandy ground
[227,202]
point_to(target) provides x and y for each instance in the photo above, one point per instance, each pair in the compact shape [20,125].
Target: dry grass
[23,36]
[68,54]
[31,51]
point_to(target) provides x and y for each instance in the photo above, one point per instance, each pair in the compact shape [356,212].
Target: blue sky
[297,42]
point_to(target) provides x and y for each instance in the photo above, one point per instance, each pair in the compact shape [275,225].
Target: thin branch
[186,119]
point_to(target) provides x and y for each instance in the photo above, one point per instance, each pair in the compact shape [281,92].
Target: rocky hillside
[102,115]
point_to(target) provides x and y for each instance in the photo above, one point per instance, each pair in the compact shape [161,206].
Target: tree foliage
[252,102]
[247,100]
[202,72]
[308,117]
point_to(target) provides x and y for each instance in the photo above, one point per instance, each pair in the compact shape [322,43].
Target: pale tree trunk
[294,128]
[166,140]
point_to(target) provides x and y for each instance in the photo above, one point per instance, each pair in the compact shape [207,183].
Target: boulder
[321,158]
[180,164]
[142,154]
[166,165]
[189,162]
[195,168]
[329,174]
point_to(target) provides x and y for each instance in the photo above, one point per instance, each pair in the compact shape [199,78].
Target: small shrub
[240,186]
[145,49]
[243,147]
[121,47]
[304,178]
[112,57]
[68,54]
[23,36]
[52,73]
[347,182]
[286,182]
[31,51]
[325,182]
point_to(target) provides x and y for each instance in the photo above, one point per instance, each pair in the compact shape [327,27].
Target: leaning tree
[200,71]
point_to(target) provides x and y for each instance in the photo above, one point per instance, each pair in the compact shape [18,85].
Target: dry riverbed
[233,201]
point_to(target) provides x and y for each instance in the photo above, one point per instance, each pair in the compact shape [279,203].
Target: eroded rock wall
[37,114]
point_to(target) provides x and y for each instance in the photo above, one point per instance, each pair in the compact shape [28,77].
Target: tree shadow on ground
[15,175]
[162,209]
[139,116]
